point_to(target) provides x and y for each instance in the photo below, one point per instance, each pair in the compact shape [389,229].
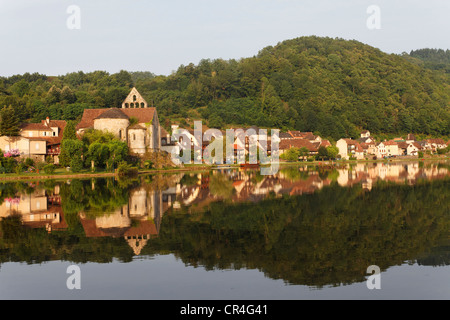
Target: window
[131,105]
[134,136]
[142,105]
[120,134]
[134,98]
[126,105]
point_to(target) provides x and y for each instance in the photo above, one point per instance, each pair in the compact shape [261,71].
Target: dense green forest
[436,59]
[333,87]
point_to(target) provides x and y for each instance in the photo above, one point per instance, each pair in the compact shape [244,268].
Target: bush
[420,154]
[125,169]
[148,164]
[20,167]
[49,168]
[76,164]
[28,162]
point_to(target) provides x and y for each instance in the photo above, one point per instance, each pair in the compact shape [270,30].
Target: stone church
[135,123]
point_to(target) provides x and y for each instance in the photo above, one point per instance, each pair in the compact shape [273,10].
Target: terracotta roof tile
[144,115]
[35,126]
[297,143]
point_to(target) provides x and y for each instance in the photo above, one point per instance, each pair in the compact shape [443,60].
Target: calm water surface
[304,233]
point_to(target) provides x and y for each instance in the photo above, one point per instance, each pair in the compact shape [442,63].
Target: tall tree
[9,123]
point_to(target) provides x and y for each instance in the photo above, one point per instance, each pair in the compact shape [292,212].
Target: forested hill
[332,87]
[436,59]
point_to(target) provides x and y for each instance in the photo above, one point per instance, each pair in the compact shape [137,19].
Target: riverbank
[62,173]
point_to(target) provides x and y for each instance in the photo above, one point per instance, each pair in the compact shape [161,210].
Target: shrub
[49,168]
[125,169]
[148,164]
[76,164]
[28,162]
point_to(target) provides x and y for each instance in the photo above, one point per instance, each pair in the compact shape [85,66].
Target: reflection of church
[137,222]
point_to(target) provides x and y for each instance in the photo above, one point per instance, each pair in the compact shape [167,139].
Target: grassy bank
[62,173]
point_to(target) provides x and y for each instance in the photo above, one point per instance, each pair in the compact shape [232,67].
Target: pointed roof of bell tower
[134,100]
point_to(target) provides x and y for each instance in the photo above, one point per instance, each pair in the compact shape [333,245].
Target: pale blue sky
[159,36]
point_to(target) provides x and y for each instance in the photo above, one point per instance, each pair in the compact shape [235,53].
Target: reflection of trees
[326,238]
[24,244]
[221,186]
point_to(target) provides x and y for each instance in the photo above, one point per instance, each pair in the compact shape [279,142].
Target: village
[137,124]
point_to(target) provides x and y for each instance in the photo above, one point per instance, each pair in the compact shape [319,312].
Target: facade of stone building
[135,123]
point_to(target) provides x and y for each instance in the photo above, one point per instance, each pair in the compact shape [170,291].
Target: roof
[402,144]
[350,141]
[113,113]
[136,127]
[297,143]
[284,135]
[325,143]
[144,115]
[35,126]
[437,141]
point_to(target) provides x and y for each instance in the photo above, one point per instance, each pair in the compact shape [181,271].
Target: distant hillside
[332,87]
[436,59]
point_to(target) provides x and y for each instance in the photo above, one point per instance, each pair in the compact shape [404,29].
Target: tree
[71,153]
[118,152]
[291,154]
[303,152]
[9,123]
[322,153]
[70,130]
[332,152]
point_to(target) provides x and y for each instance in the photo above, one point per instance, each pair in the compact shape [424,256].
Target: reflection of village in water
[140,219]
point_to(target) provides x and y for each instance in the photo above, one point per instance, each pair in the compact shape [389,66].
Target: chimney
[47,120]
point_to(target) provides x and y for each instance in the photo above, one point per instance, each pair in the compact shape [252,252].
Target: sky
[51,37]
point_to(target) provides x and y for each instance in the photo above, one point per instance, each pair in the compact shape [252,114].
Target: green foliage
[91,135]
[71,152]
[291,154]
[125,169]
[436,59]
[49,168]
[330,86]
[323,152]
[9,122]
[332,152]
[118,152]
[70,130]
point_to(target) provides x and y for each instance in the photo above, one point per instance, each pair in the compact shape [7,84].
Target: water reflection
[306,225]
